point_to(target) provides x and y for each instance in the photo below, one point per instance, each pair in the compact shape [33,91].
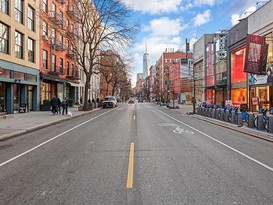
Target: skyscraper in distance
[145,62]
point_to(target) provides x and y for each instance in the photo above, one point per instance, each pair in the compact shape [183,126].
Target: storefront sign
[255,100]
[256,50]
[22,108]
[228,103]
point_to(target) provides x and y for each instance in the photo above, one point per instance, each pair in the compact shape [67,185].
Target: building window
[45,29]
[4,6]
[72,72]
[61,65]
[45,59]
[53,63]
[31,17]
[4,38]
[53,36]
[18,45]
[53,10]
[31,50]
[19,11]
[45,6]
[67,68]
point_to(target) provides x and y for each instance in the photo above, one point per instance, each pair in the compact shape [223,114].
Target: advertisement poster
[256,50]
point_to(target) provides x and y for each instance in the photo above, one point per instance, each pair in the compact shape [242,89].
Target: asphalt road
[136,154]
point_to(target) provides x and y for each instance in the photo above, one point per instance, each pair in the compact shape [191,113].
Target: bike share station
[238,116]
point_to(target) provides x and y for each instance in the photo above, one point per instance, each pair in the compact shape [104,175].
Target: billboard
[256,54]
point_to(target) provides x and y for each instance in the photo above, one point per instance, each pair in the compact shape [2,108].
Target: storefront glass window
[2,97]
[19,76]
[45,92]
[16,97]
[4,73]
[237,70]
[31,78]
[238,96]
[210,65]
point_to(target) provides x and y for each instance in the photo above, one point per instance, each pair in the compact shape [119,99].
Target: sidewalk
[12,125]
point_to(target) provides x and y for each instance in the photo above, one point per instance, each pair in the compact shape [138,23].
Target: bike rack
[260,122]
[270,126]
[240,119]
[233,117]
[251,118]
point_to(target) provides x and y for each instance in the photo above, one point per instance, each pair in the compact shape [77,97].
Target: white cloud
[236,17]
[153,6]
[201,19]
[165,27]
[204,2]
[197,3]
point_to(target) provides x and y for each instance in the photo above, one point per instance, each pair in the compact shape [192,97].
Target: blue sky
[168,23]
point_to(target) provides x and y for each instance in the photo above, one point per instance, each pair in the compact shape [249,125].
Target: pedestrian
[54,104]
[193,100]
[64,105]
[89,101]
[59,105]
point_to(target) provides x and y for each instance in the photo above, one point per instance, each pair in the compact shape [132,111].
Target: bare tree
[101,25]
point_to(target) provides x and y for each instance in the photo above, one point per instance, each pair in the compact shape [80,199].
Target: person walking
[64,105]
[59,105]
[54,104]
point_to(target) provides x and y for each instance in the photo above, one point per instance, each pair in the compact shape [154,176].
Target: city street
[138,153]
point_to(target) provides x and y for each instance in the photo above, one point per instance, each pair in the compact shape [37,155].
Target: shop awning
[50,78]
[73,84]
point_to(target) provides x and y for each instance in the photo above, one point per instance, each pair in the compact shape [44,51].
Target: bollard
[251,120]
[202,110]
[227,114]
[207,112]
[198,110]
[240,119]
[218,114]
[260,122]
[233,117]
[222,114]
[213,113]
[270,126]
[210,110]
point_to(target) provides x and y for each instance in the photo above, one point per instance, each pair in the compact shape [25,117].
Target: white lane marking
[180,130]
[36,147]
[229,147]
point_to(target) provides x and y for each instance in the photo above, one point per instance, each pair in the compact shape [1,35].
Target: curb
[225,125]
[28,130]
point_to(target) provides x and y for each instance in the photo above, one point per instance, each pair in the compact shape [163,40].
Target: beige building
[19,56]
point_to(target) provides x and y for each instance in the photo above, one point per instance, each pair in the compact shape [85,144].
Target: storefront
[238,77]
[19,88]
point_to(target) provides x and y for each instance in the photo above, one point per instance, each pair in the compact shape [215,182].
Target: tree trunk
[85,103]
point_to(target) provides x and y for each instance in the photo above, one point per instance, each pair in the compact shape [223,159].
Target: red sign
[256,52]
[255,101]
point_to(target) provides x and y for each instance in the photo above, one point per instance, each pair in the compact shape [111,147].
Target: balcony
[55,18]
[58,46]
[75,74]
[61,2]
[57,71]
[69,54]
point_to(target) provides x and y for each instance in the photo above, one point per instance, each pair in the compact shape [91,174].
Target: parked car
[131,101]
[110,101]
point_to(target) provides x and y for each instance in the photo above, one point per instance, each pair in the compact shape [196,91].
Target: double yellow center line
[131,167]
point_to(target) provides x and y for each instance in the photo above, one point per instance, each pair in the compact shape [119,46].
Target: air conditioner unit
[45,37]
